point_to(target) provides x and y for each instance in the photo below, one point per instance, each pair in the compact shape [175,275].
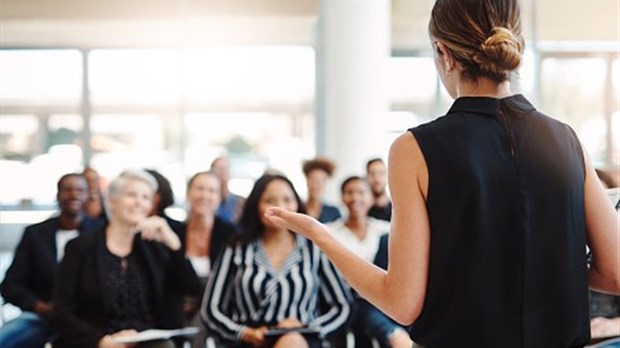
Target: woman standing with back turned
[493,205]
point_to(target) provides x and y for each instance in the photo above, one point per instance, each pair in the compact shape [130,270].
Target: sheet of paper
[156,334]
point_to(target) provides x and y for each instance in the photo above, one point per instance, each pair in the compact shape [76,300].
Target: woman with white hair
[117,282]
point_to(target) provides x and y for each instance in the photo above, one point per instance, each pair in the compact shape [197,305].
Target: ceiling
[165,23]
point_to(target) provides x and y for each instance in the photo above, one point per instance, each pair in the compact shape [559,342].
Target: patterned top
[245,290]
[128,293]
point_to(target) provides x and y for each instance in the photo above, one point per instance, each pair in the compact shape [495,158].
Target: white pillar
[353,46]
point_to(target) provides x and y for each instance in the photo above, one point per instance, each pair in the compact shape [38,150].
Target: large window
[173,110]
[250,75]
[574,90]
[142,77]
[177,109]
[41,77]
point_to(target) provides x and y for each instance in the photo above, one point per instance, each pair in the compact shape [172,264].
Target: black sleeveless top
[508,238]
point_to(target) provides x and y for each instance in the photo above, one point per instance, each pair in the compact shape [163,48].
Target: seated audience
[162,199]
[272,278]
[116,281]
[204,236]
[317,171]
[29,280]
[231,204]
[363,235]
[376,174]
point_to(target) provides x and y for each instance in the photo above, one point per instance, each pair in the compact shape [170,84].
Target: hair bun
[500,52]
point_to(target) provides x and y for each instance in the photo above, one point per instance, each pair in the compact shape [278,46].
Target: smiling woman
[118,280]
[367,237]
[204,236]
[269,278]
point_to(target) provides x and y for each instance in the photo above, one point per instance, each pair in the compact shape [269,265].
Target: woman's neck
[200,221]
[358,225]
[119,238]
[198,236]
[276,236]
[278,244]
[313,206]
[482,87]
[314,201]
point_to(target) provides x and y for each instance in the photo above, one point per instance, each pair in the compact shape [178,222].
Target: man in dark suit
[28,282]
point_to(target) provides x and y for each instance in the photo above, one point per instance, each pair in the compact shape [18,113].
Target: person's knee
[23,332]
[292,339]
[400,339]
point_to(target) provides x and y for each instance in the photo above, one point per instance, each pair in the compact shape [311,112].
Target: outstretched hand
[296,222]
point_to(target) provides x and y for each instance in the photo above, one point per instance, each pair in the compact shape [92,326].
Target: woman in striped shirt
[272,278]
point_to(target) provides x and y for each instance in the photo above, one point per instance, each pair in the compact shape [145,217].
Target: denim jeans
[609,343]
[371,322]
[28,330]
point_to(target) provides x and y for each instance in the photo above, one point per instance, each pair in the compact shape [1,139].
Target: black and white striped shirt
[245,290]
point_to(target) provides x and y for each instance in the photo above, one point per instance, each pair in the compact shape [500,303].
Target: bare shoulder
[406,147]
[407,162]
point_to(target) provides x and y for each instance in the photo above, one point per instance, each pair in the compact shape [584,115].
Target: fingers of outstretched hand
[297,222]
[278,216]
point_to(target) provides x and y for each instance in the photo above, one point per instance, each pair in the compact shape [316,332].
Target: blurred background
[170,85]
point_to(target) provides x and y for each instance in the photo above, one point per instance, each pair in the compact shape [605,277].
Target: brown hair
[483,36]
[321,163]
[191,181]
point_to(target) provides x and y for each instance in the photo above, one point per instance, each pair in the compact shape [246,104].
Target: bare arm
[603,230]
[400,291]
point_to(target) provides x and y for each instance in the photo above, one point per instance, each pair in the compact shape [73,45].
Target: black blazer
[30,277]
[80,317]
[175,225]
[223,231]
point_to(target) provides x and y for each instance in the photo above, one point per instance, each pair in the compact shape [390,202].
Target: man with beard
[29,280]
[376,174]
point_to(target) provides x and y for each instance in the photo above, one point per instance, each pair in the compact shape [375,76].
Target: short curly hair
[322,163]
